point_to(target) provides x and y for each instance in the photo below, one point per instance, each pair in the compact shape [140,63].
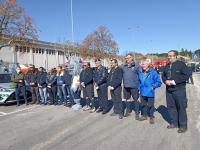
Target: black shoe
[113,114]
[99,110]
[182,130]
[172,126]
[104,112]
[120,116]
[142,118]
[151,120]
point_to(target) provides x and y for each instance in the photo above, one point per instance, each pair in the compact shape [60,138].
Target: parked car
[7,89]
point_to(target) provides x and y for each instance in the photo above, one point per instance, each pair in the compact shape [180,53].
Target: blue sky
[141,25]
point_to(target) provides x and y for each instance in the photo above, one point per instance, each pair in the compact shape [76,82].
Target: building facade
[40,53]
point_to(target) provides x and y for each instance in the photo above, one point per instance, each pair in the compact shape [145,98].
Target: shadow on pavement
[164,113]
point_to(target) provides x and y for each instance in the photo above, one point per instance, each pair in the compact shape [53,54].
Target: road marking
[17,111]
[198,124]
[2,113]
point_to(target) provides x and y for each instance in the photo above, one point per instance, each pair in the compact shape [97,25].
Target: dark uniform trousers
[88,94]
[147,104]
[103,97]
[177,104]
[52,94]
[117,100]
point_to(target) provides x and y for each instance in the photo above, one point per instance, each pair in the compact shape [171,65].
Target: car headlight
[5,90]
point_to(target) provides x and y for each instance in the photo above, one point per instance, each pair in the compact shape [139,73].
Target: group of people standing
[136,81]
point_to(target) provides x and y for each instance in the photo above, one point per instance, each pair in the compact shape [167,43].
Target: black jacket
[31,77]
[100,76]
[67,78]
[115,77]
[86,76]
[41,78]
[51,79]
[177,71]
[18,79]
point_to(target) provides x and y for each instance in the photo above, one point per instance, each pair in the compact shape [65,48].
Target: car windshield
[5,78]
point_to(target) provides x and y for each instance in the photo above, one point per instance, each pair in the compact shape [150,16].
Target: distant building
[40,53]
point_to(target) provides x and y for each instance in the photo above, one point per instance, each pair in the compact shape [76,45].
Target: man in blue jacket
[114,86]
[149,80]
[130,82]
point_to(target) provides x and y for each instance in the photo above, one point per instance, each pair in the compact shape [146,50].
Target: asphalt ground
[37,127]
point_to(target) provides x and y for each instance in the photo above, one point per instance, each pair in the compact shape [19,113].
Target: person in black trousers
[100,83]
[52,86]
[86,82]
[175,75]
[114,86]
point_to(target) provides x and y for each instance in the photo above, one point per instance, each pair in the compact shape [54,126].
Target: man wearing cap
[86,81]
[100,83]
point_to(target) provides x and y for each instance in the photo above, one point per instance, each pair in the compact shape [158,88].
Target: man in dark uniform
[114,86]
[175,75]
[100,82]
[86,81]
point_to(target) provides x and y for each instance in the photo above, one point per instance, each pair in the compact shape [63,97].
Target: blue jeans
[43,94]
[18,90]
[70,93]
[62,93]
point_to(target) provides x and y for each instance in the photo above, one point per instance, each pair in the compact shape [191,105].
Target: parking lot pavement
[57,127]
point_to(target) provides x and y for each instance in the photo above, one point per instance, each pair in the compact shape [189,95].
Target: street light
[130,29]
[72,22]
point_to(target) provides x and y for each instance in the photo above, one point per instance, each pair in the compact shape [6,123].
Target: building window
[24,49]
[28,49]
[16,48]
[33,50]
[20,49]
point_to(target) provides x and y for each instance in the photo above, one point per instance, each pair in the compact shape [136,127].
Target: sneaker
[182,130]
[151,120]
[142,118]
[172,126]
[120,116]
[93,110]
[86,108]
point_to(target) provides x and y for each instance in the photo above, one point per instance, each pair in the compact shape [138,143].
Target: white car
[7,89]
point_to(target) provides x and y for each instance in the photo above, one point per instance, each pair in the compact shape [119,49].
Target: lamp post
[132,37]
[72,22]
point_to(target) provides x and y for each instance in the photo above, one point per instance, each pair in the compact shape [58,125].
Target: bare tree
[15,25]
[101,41]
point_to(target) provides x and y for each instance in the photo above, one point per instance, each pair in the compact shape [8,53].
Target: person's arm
[184,74]
[164,75]
[157,80]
